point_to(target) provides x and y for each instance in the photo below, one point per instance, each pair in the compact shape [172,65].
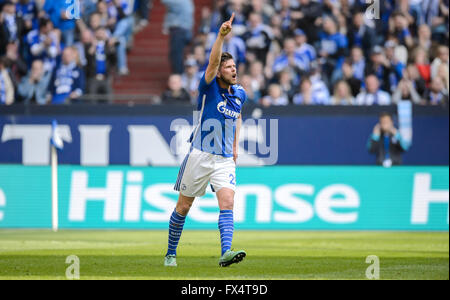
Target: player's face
[228,72]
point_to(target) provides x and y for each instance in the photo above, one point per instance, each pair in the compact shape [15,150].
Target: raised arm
[216,52]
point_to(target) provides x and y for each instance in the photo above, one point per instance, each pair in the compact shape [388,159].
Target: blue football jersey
[219,110]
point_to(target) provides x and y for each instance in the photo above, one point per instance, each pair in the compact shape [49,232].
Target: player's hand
[226,27]
[235,154]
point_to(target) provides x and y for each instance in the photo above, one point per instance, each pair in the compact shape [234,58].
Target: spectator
[191,78]
[144,8]
[361,35]
[257,75]
[435,13]
[199,55]
[395,53]
[422,63]
[68,81]
[284,12]
[6,84]
[416,10]
[290,60]
[306,17]
[442,57]
[120,12]
[258,38]
[206,24]
[11,26]
[394,65]
[263,8]
[306,51]
[419,83]
[440,23]
[275,97]
[320,89]
[253,96]
[287,84]
[278,34]
[333,47]
[27,10]
[386,142]
[33,87]
[373,94]
[443,73]
[99,57]
[15,64]
[380,66]
[342,94]
[405,91]
[87,8]
[437,94]
[179,22]
[44,44]
[96,20]
[358,63]
[400,29]
[424,37]
[103,17]
[63,15]
[308,95]
[175,94]
[115,15]
[349,77]
[239,8]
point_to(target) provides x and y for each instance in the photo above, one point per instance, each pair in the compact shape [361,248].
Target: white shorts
[200,168]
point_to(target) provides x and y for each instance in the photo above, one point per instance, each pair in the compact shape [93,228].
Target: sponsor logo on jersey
[221,107]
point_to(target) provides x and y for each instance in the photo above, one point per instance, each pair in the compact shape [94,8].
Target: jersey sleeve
[203,86]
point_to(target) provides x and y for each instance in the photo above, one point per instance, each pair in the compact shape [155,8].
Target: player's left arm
[236,138]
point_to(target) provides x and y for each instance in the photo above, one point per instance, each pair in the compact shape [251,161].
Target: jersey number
[232,179]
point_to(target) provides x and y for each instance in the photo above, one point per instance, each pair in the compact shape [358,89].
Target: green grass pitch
[40,254]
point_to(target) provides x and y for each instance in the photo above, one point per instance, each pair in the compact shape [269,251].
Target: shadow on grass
[253,267]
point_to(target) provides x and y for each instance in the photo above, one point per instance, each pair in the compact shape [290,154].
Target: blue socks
[175,229]
[226,228]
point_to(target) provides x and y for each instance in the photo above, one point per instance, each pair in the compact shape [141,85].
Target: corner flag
[57,143]
[56,140]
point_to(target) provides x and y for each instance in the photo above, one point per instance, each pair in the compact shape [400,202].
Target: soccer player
[214,150]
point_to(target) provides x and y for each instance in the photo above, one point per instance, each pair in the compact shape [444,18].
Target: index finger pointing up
[232,18]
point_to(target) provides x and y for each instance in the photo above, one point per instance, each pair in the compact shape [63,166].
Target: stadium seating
[148,59]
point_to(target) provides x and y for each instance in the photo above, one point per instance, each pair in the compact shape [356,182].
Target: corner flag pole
[54,159]
[56,143]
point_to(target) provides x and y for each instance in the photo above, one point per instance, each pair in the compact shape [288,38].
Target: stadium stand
[300,49]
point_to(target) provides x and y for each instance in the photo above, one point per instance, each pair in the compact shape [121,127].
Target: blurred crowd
[55,51]
[326,52]
[303,52]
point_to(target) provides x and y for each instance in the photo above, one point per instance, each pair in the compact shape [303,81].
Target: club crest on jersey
[221,107]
